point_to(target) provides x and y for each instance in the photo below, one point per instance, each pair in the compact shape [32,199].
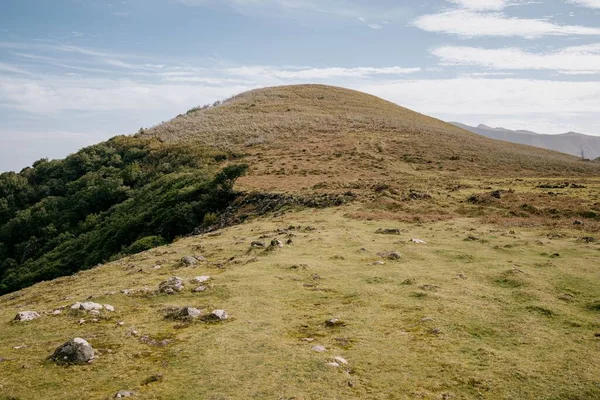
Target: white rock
[76,306]
[87,306]
[333,364]
[341,360]
[26,316]
[418,241]
[56,312]
[108,307]
[319,348]
[199,289]
[201,279]
[221,315]
[378,263]
[124,393]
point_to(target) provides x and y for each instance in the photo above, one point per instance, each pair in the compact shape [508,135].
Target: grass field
[474,313]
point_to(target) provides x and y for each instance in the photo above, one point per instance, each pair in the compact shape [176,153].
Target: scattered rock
[26,316]
[172,285]
[418,241]
[378,263]
[257,245]
[588,239]
[189,261]
[462,276]
[87,306]
[201,279]
[436,331]
[334,322]
[199,289]
[382,231]
[75,351]
[183,314]
[56,312]
[333,364]
[390,255]
[217,315]
[577,222]
[124,393]
[307,339]
[81,321]
[289,242]
[275,244]
[153,342]
[341,360]
[409,281]
[120,323]
[319,349]
[472,238]
[108,307]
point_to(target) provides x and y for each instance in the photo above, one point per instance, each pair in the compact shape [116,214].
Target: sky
[77,72]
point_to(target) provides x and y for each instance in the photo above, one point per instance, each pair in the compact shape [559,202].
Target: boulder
[75,351]
[201,279]
[217,315]
[189,261]
[184,313]
[171,285]
[26,316]
[87,306]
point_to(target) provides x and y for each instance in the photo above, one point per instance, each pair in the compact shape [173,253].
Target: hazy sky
[75,72]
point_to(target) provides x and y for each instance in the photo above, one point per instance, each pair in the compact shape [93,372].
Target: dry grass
[503,331]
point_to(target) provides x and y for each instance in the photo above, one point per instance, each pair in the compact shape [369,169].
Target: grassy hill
[501,301]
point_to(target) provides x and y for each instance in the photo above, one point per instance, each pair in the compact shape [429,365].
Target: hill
[370,252]
[570,143]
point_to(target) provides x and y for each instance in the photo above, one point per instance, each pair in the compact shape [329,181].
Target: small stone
[120,323]
[418,241]
[56,312]
[390,255]
[378,263]
[95,320]
[95,312]
[189,261]
[218,315]
[462,276]
[341,360]
[26,316]
[201,279]
[333,322]
[333,364]
[436,331]
[319,349]
[306,339]
[108,307]
[577,222]
[75,351]
[426,319]
[389,231]
[184,314]
[597,335]
[171,285]
[156,267]
[127,291]
[258,245]
[124,393]
[289,242]
[199,289]
[81,321]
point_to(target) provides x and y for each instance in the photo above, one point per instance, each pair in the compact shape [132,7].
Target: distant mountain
[570,143]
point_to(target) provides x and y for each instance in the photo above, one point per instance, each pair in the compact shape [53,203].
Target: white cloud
[375,26]
[317,73]
[587,3]
[468,23]
[481,4]
[572,60]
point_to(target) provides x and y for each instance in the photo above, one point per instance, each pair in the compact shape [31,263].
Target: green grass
[495,340]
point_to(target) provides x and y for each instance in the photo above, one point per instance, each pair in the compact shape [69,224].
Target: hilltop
[570,143]
[369,252]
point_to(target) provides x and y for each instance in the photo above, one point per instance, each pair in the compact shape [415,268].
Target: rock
[201,279]
[577,222]
[26,316]
[127,291]
[426,319]
[275,243]
[56,312]
[289,242]
[597,335]
[95,312]
[108,307]
[171,285]
[199,289]
[189,261]
[462,276]
[390,255]
[87,306]
[378,263]
[319,349]
[333,364]
[184,313]
[308,339]
[436,331]
[217,315]
[258,245]
[418,241]
[124,393]
[409,281]
[75,351]
[120,323]
[81,321]
[333,322]
[429,287]
[341,360]
[389,231]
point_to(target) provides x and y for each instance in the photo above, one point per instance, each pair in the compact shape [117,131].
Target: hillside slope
[570,143]
[317,134]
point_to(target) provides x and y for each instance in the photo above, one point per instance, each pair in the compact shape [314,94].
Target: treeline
[119,197]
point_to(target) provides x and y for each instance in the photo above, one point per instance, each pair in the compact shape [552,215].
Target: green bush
[209,219]
[143,244]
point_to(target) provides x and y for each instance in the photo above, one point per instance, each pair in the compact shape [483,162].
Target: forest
[116,198]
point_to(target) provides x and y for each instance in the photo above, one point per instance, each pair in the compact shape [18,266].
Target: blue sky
[75,72]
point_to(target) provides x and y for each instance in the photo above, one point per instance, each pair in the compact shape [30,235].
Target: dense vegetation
[119,197]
